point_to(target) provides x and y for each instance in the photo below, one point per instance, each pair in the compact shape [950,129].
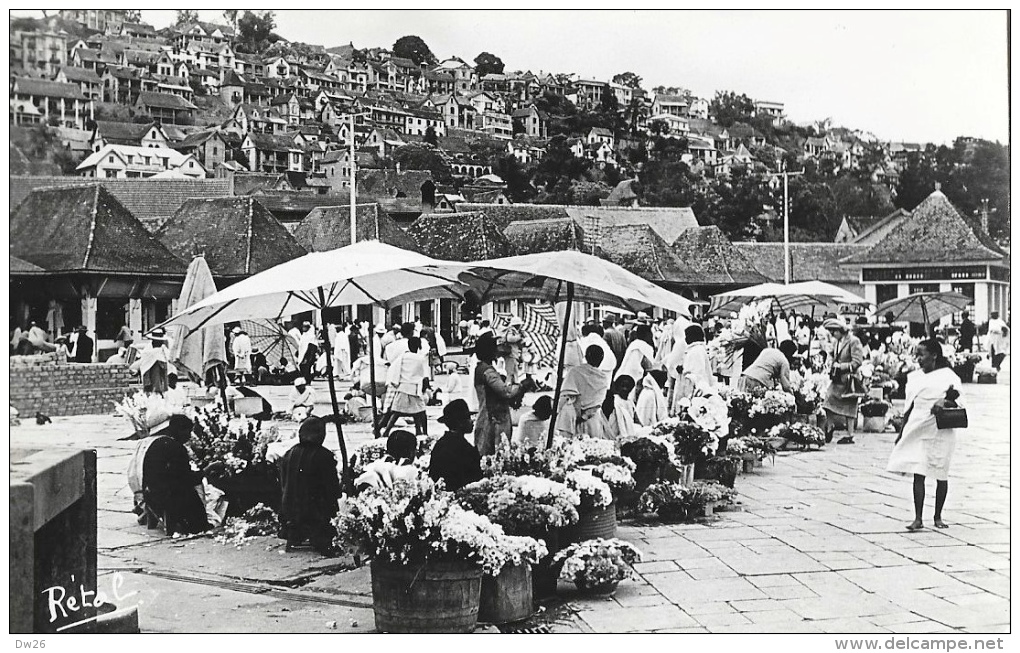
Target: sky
[919,76]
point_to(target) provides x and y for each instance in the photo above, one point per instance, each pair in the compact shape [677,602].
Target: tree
[230,15]
[518,181]
[254,31]
[185,16]
[628,79]
[486,63]
[430,136]
[727,108]
[420,156]
[413,48]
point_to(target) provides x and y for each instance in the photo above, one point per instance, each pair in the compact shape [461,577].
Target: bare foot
[915,525]
[940,524]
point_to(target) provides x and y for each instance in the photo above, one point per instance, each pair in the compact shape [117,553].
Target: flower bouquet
[748,325]
[414,522]
[690,441]
[599,457]
[232,452]
[806,435]
[143,410]
[516,460]
[594,492]
[809,390]
[522,504]
[260,520]
[669,501]
[597,565]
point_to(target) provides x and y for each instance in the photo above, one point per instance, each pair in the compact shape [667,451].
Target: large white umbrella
[802,295]
[924,307]
[368,272]
[568,276]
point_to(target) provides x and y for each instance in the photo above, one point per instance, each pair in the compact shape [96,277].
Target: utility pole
[354,192]
[787,270]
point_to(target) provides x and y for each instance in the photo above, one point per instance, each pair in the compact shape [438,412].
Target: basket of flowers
[650,457]
[805,435]
[428,554]
[529,506]
[963,364]
[143,410]
[258,521]
[809,390]
[597,566]
[874,412]
[232,452]
[597,512]
[691,443]
[516,460]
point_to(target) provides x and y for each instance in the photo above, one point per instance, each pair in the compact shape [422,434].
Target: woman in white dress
[640,355]
[922,448]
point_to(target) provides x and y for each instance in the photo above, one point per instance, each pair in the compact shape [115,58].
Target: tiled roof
[19,266]
[46,88]
[294,205]
[237,235]
[80,75]
[460,237]
[387,183]
[623,192]
[877,230]
[124,133]
[85,229]
[273,142]
[668,222]
[232,79]
[146,199]
[328,228]
[163,101]
[935,232]
[718,262]
[639,249]
[544,235]
[808,261]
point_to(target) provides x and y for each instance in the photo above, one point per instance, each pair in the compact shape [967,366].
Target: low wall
[40,384]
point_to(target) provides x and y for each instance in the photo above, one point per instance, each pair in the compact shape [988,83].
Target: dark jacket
[310,485]
[455,461]
[169,486]
[83,349]
[967,333]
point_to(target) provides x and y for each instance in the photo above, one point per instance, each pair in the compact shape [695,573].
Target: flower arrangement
[522,504]
[806,435]
[754,445]
[748,325]
[690,441]
[600,458]
[809,390]
[737,447]
[651,450]
[516,460]
[414,521]
[619,477]
[773,404]
[597,564]
[676,502]
[259,520]
[594,492]
[238,443]
[143,410]
[374,450]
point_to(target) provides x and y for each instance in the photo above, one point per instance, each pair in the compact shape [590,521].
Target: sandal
[846,440]
[915,526]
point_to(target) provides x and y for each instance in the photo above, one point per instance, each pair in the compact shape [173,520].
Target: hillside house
[164,107]
[88,81]
[272,153]
[531,122]
[106,132]
[59,103]
[127,162]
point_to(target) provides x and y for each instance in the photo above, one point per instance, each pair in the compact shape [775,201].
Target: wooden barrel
[594,522]
[506,597]
[438,597]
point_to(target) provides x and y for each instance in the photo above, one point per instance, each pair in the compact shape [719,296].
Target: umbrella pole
[328,347]
[559,367]
[371,373]
[927,326]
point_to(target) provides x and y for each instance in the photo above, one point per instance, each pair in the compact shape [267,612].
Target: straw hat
[835,323]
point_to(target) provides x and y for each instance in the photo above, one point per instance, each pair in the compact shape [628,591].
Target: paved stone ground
[818,545]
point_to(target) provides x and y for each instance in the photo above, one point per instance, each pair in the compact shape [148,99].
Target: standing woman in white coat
[922,448]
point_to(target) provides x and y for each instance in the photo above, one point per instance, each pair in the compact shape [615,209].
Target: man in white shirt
[301,399]
[399,345]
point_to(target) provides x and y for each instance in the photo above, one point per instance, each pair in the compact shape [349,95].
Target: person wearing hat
[311,489]
[153,363]
[301,400]
[169,483]
[453,459]
[83,346]
[494,397]
[843,397]
[61,351]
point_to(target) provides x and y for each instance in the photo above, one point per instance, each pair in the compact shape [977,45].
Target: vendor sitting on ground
[397,464]
[616,419]
[533,430]
[311,489]
[454,460]
[301,400]
[169,484]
